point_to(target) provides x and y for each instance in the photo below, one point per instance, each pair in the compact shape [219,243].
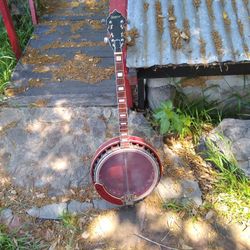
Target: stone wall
[226,90]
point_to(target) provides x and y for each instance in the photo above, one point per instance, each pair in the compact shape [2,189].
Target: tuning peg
[106,39]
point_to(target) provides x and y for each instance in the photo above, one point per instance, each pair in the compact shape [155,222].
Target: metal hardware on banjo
[125,169]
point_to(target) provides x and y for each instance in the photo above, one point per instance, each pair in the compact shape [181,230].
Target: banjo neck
[116,28]
[121,98]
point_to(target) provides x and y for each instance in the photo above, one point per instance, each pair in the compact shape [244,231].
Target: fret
[119,67]
[123,122]
[122,110]
[124,130]
[120,81]
[122,106]
[121,95]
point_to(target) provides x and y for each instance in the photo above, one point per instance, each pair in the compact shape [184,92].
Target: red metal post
[121,6]
[10,28]
[33,12]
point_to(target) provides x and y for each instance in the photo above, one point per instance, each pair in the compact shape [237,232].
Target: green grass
[231,194]
[178,206]
[24,29]
[13,241]
[71,223]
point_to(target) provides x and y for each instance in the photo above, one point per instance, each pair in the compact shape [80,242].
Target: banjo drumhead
[128,172]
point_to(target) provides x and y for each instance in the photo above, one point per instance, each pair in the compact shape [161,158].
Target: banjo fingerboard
[121,97]
[116,28]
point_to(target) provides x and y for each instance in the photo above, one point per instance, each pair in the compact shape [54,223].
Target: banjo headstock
[116,28]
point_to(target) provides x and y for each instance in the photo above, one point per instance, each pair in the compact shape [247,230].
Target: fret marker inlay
[119,74]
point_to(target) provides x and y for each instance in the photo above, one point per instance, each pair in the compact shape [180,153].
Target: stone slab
[181,191]
[79,207]
[6,216]
[48,212]
[53,147]
[232,137]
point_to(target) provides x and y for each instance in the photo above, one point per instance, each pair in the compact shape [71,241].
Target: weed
[172,120]
[69,220]
[180,206]
[231,195]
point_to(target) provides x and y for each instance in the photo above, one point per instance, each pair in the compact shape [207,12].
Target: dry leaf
[225,16]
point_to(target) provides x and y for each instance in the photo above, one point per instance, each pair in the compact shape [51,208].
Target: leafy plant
[172,120]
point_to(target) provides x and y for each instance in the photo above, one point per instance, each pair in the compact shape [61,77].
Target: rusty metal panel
[189,32]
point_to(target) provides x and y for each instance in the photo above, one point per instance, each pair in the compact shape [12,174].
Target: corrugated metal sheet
[193,32]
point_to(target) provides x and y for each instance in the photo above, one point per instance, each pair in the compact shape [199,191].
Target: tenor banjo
[125,169]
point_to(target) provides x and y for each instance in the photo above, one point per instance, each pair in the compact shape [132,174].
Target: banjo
[124,169]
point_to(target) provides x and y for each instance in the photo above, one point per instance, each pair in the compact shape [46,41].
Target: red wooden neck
[121,98]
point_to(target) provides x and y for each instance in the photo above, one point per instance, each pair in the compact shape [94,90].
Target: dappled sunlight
[104,225]
[177,146]
[4,180]
[171,189]
[241,233]
[198,231]
[35,126]
[60,164]
[173,222]
[153,203]
[48,179]
[64,113]
[170,221]
[60,103]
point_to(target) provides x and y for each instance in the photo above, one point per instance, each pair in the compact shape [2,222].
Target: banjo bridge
[129,199]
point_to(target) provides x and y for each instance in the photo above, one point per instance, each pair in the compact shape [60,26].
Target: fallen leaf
[225,16]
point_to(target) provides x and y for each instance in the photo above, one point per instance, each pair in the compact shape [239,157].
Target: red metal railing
[7,19]
[33,12]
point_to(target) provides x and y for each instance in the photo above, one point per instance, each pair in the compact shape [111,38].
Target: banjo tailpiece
[125,169]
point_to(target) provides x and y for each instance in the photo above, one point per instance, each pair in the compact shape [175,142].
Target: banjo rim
[96,164]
